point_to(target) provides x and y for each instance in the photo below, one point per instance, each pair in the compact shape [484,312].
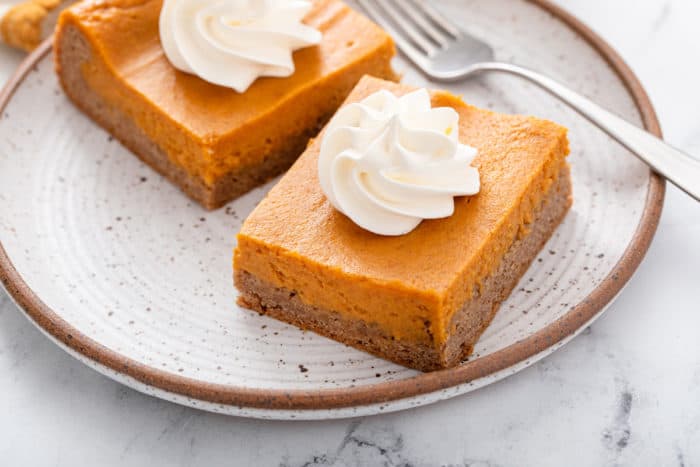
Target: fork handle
[676,166]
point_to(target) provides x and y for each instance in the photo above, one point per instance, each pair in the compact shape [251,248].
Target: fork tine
[411,51]
[409,29]
[439,37]
[438,18]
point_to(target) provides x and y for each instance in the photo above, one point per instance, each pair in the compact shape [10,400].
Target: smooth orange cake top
[296,239]
[125,39]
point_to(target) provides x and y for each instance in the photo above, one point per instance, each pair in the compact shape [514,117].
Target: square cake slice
[424,298]
[211,141]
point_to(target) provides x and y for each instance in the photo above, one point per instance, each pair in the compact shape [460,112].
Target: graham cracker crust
[466,325]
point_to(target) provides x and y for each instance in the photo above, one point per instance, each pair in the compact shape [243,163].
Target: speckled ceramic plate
[125,273]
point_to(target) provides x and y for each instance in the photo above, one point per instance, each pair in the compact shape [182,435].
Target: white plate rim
[186,390]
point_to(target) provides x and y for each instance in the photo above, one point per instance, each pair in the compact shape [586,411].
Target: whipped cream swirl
[234,42]
[388,162]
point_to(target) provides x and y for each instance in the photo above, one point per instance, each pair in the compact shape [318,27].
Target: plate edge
[42,316]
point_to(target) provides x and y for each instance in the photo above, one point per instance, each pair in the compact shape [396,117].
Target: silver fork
[444,52]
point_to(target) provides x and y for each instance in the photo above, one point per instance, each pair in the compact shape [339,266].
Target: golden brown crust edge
[467,324]
[23,25]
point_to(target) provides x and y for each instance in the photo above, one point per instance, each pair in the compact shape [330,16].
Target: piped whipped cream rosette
[390,162]
[234,42]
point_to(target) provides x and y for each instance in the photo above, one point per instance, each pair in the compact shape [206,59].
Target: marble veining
[624,392]
[617,436]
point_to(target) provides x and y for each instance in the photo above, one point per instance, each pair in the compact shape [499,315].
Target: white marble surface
[624,393]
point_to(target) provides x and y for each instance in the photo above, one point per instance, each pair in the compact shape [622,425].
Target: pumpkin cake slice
[212,141]
[421,299]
